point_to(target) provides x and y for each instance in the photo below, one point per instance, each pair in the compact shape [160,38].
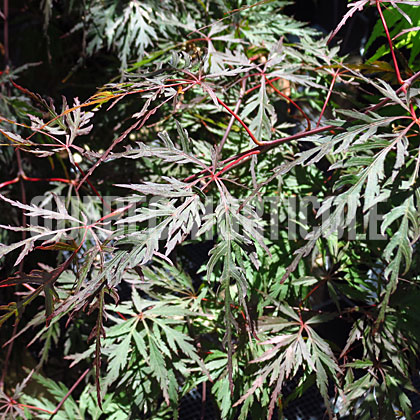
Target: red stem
[203,401]
[292,102]
[312,291]
[268,145]
[12,181]
[20,175]
[259,143]
[259,85]
[36,408]
[236,110]
[29,179]
[69,392]
[394,59]
[300,135]
[403,88]
[254,152]
[254,139]
[7,358]
[93,188]
[335,74]
[67,181]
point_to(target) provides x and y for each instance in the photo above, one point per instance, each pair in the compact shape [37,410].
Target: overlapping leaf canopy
[219,117]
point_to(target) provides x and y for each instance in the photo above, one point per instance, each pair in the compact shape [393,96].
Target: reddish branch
[394,58]
[22,177]
[251,135]
[136,125]
[291,101]
[99,99]
[268,145]
[403,88]
[335,74]
[288,99]
[235,162]
[253,138]
[69,393]
[93,188]
[259,85]
[7,358]
[236,110]
[27,178]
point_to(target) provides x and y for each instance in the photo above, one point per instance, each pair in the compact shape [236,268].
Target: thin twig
[8,354]
[203,400]
[69,393]
[335,74]
[394,58]
[291,101]
[402,88]
[239,119]
[267,146]
[232,119]
[21,174]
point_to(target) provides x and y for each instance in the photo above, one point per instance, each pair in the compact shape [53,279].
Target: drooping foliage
[235,209]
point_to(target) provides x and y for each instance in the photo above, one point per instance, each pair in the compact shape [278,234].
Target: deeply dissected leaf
[212,243]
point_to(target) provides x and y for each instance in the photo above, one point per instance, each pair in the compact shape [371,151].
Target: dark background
[64,69]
